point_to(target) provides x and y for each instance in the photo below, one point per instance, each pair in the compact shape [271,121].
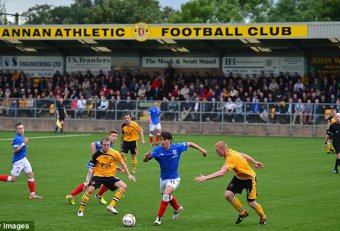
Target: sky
[19,6]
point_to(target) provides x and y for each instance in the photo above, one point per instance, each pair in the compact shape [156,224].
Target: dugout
[40,50]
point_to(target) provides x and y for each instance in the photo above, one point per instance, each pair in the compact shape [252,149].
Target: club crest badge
[141,31]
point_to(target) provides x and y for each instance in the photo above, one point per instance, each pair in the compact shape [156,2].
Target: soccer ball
[129,220]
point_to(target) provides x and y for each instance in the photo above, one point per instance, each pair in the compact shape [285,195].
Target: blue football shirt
[17,141]
[168,159]
[154,113]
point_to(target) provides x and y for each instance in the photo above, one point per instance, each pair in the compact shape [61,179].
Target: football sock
[258,209]
[31,185]
[162,208]
[103,189]
[337,163]
[61,130]
[6,178]
[118,195]
[77,190]
[124,158]
[173,203]
[151,138]
[134,164]
[157,137]
[56,129]
[238,206]
[85,198]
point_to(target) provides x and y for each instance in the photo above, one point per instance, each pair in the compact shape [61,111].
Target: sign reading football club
[142,31]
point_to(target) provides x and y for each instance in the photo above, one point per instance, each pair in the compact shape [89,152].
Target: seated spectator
[197,109]
[172,109]
[164,108]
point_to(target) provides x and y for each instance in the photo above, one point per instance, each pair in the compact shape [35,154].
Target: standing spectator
[308,113]
[245,178]
[168,156]
[20,162]
[103,106]
[299,110]
[30,105]
[81,106]
[230,109]
[169,74]
[238,109]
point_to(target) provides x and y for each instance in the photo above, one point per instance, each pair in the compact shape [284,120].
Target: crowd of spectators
[285,98]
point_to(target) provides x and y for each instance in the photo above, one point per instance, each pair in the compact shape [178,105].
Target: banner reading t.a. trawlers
[143,31]
[84,63]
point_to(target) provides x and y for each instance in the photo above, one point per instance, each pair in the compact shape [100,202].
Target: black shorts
[129,146]
[336,148]
[97,181]
[237,185]
[61,117]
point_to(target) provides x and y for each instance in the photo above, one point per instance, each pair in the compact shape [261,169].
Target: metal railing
[172,111]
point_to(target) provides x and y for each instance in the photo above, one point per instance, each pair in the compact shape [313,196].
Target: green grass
[296,188]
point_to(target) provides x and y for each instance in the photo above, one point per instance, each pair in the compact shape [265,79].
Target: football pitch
[296,189]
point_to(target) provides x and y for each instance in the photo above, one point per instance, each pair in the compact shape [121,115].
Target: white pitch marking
[46,137]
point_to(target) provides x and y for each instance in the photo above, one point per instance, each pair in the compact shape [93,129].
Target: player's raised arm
[197,147]
[252,160]
[216,174]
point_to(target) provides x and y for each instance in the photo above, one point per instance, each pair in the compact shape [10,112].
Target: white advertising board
[267,65]
[183,62]
[33,66]
[83,63]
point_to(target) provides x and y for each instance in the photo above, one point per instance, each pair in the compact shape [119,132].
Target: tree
[223,11]
[305,11]
[38,14]
[3,19]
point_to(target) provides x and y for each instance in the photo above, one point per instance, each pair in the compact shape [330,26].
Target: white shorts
[172,182]
[153,127]
[21,165]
